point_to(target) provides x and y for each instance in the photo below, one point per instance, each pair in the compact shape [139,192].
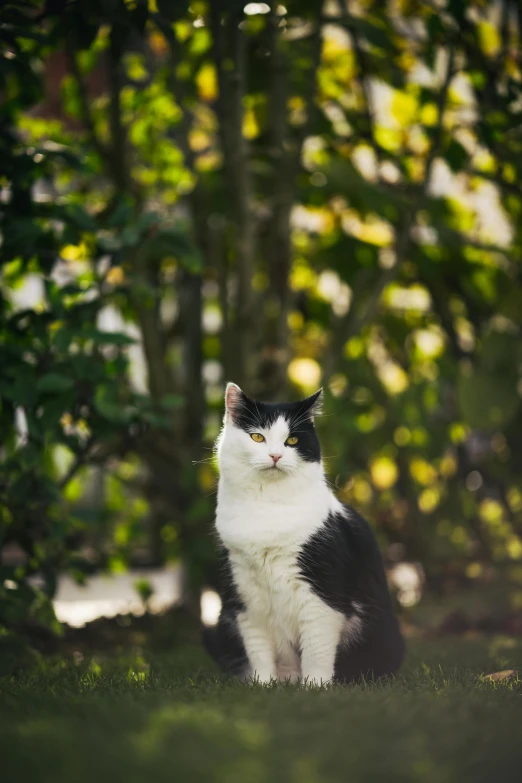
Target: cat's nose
[275,457]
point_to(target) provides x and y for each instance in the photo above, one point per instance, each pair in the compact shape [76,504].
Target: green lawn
[166,716]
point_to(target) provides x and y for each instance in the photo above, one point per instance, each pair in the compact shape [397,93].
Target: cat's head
[268,440]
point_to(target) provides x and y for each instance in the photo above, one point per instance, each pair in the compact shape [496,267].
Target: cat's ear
[313,405]
[234,399]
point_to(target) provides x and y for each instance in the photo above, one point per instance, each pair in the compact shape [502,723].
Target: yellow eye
[292,440]
[257,437]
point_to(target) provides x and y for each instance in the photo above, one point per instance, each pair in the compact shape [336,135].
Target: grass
[161,716]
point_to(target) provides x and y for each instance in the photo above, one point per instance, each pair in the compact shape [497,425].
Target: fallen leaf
[507,674]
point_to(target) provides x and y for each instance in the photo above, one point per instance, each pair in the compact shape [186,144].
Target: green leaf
[109,406]
[120,215]
[80,217]
[376,34]
[62,338]
[108,338]
[456,155]
[173,242]
[22,392]
[54,382]
[144,589]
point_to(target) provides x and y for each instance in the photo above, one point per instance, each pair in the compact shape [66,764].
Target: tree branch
[365,88]
[285,151]
[229,107]
[120,166]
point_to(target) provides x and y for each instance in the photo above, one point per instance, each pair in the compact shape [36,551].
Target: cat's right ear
[234,400]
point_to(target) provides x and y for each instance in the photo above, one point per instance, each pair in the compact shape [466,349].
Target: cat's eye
[257,437]
[292,440]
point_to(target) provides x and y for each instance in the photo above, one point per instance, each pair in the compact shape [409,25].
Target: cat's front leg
[258,648]
[288,664]
[321,630]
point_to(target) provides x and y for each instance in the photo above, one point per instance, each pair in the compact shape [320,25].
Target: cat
[304,594]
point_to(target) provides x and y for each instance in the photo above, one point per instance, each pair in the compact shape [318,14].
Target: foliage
[284,196]
[65,400]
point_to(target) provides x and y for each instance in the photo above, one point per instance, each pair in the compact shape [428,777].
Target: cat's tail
[225,646]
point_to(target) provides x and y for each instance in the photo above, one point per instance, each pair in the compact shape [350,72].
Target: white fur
[264,516]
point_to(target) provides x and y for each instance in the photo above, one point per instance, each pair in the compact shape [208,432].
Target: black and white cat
[305,594]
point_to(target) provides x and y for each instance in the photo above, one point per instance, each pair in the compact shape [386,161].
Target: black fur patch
[343,566]
[251,416]
[229,594]
[341,562]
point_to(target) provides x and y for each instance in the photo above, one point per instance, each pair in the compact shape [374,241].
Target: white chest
[252,523]
[270,586]
[263,539]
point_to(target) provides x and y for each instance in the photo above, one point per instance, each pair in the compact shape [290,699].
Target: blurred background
[283,195]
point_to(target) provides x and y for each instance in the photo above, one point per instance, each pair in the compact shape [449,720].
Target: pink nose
[275,457]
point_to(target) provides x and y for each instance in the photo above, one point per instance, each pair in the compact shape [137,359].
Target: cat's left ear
[234,400]
[313,405]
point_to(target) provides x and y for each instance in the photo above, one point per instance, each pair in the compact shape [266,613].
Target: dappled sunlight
[336,292]
[384,472]
[210,607]
[109,596]
[408,580]
[305,373]
[414,298]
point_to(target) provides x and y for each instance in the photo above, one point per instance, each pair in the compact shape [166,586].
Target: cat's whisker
[258,414]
